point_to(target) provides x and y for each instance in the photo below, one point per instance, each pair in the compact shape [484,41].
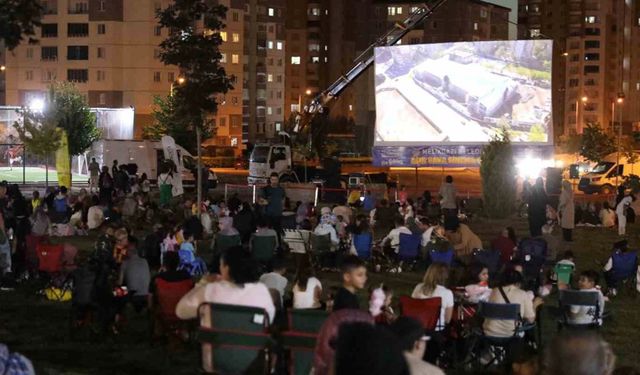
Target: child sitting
[587,314]
[354,276]
[563,270]
[188,260]
[380,305]
[479,290]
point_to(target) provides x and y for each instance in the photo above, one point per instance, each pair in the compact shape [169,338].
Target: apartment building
[108,48]
[593,77]
[264,44]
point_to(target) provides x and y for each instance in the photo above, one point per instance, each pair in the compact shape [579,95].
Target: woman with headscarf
[537,208]
[566,210]
[225,224]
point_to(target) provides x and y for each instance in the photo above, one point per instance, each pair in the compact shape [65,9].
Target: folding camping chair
[533,252]
[590,300]
[488,258]
[445,257]
[300,339]
[50,264]
[426,311]
[234,339]
[363,243]
[263,248]
[408,250]
[164,320]
[320,249]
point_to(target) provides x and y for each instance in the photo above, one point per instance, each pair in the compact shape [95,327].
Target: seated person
[307,289]
[237,285]
[464,241]
[263,229]
[275,279]
[392,240]
[188,259]
[325,227]
[433,285]
[135,275]
[619,266]
[587,282]
[506,244]
[509,292]
[607,216]
[478,290]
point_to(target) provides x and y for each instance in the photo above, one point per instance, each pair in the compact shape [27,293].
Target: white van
[147,155]
[602,178]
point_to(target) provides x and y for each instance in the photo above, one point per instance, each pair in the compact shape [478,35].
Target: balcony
[78,8]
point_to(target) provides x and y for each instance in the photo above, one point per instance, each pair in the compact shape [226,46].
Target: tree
[72,113]
[39,133]
[497,169]
[166,121]
[595,143]
[193,45]
[18,19]
[537,133]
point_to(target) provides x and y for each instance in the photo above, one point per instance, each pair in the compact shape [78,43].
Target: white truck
[147,155]
[266,159]
[606,175]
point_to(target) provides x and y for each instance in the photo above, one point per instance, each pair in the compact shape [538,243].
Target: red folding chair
[50,263]
[167,296]
[426,311]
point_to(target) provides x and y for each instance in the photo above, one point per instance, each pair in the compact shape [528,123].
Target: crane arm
[364,61]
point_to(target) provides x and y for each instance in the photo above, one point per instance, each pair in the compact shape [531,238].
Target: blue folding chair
[190,263]
[624,265]
[488,258]
[445,257]
[409,248]
[362,243]
[533,252]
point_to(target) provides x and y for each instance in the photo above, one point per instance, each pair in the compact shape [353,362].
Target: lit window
[475,26]
[223,57]
[414,9]
[326,47]
[223,36]
[269,77]
[235,59]
[326,59]
[295,60]
[279,45]
[350,107]
[393,11]
[269,111]
[314,47]
[270,44]
[315,11]
[236,37]
[315,59]
[591,19]
[271,12]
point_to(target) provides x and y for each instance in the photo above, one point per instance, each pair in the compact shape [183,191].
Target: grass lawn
[39,329]
[32,174]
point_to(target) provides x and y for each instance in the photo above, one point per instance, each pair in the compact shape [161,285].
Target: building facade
[593,79]
[109,49]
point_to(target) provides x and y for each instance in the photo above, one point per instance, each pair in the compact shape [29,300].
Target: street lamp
[584,99]
[37,105]
[307,92]
[2,68]
[619,101]
[179,81]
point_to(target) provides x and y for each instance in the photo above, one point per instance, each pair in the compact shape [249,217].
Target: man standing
[94,173]
[448,203]
[274,196]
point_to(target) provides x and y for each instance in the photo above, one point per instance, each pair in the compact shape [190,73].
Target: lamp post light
[179,81]
[619,102]
[584,99]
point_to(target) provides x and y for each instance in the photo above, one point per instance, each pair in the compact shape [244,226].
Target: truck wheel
[606,189]
[286,178]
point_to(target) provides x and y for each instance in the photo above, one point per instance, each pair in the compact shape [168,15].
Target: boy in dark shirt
[354,276]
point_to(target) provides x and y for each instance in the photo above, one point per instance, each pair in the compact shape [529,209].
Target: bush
[497,169]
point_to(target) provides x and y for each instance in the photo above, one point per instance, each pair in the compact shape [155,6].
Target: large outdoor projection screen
[463,93]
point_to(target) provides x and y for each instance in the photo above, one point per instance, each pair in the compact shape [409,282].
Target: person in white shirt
[275,280]
[236,286]
[392,240]
[448,195]
[587,314]
[433,285]
[607,216]
[413,343]
[621,211]
[428,229]
[95,214]
[345,211]
[325,227]
[307,289]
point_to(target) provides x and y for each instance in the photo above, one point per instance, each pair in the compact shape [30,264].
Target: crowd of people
[214,256]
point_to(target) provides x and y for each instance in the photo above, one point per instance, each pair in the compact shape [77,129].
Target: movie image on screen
[463,92]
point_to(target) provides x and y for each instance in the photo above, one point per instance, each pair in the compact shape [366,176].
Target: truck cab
[607,174]
[267,159]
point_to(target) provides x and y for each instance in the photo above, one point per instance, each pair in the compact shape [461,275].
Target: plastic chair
[409,247]
[569,298]
[426,311]
[362,244]
[234,337]
[300,339]
[263,248]
[563,273]
[445,257]
[190,263]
